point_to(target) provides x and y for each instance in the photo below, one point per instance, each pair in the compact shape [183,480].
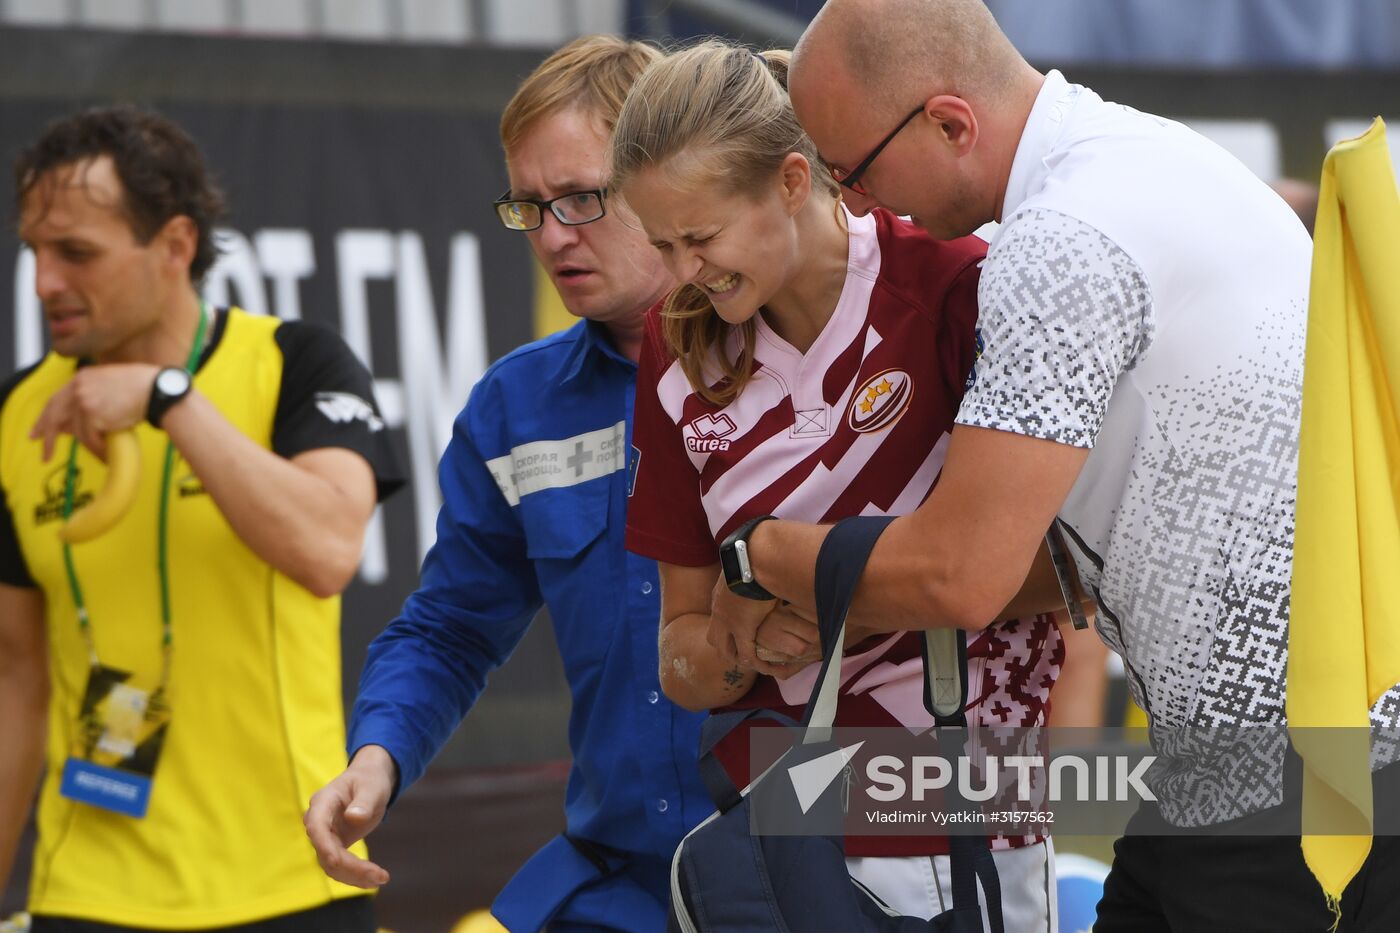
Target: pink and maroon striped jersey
[858,425]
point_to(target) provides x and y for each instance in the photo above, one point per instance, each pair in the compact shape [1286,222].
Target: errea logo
[343,408]
[706,434]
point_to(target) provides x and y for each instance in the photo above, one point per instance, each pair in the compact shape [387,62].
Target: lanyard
[162,529]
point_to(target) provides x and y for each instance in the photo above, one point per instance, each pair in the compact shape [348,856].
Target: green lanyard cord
[83,627]
[163,567]
[162,531]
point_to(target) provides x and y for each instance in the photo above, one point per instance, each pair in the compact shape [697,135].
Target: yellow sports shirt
[255,688]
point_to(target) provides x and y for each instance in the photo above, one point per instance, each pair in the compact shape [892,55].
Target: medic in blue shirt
[534,487]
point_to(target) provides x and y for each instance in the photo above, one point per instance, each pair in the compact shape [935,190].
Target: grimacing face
[739,249]
[99,286]
[605,270]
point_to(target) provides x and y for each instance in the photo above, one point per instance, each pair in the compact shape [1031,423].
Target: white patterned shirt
[1146,297]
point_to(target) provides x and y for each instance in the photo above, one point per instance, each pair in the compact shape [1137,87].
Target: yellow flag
[1344,632]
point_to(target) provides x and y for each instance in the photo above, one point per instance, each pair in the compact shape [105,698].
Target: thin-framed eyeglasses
[851,179]
[572,209]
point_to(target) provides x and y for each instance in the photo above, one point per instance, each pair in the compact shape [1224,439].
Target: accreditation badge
[117,741]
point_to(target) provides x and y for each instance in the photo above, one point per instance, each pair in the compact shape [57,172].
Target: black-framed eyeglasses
[851,179]
[573,209]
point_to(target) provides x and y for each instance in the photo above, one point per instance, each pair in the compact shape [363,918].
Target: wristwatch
[734,558]
[171,385]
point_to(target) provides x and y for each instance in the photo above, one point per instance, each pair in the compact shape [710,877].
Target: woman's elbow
[678,686]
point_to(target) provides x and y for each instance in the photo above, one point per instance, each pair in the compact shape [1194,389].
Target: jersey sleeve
[1064,312]
[959,340]
[327,400]
[13,570]
[665,517]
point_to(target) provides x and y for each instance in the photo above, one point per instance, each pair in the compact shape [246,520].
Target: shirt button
[653,696]
[646,589]
[662,806]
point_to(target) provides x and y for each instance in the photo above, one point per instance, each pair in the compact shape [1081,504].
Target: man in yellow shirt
[185,664]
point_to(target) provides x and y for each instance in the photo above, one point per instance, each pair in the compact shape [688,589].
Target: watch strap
[161,401]
[734,560]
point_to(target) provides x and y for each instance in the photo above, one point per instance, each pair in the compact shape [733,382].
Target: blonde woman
[808,367]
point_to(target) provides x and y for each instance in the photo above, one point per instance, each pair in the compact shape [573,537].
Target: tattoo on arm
[734,676]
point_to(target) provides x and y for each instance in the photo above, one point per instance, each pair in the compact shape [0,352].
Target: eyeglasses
[572,209]
[851,179]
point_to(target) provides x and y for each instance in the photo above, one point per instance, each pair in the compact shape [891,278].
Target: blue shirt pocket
[580,572]
[561,523]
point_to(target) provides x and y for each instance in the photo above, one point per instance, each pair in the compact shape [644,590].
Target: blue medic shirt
[534,487]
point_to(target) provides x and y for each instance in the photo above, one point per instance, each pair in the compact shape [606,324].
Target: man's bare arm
[24,700]
[958,560]
[305,515]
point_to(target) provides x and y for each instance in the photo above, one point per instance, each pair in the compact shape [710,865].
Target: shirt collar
[1047,119]
[591,346]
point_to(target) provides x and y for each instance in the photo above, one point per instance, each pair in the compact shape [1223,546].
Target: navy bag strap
[716,726]
[945,697]
[840,563]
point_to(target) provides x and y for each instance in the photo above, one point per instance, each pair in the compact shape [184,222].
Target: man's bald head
[862,64]
[896,52]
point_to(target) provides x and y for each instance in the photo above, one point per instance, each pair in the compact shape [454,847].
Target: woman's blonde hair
[593,73]
[726,110]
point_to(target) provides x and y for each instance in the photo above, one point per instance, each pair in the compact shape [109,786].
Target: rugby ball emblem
[880,401]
